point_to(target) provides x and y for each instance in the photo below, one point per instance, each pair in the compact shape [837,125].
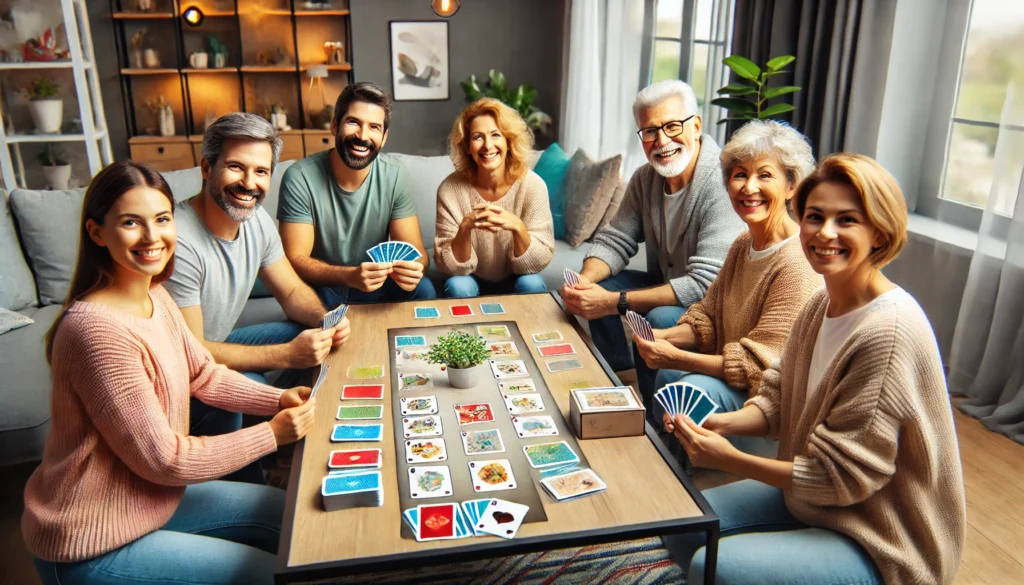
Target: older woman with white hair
[725,342]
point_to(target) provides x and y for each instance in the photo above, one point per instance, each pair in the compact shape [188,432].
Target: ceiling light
[445,8]
[193,16]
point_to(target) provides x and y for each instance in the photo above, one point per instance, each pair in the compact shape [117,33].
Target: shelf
[268,68]
[211,70]
[321,13]
[176,139]
[332,67]
[41,65]
[216,13]
[21,138]
[272,12]
[154,71]
[142,15]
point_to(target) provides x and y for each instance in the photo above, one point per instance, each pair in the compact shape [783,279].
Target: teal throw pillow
[552,167]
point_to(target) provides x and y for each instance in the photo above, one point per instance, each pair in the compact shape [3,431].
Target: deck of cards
[571,278]
[570,483]
[334,317]
[688,400]
[357,488]
[393,252]
[641,328]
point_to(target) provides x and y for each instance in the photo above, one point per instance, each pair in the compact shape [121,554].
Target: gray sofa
[38,243]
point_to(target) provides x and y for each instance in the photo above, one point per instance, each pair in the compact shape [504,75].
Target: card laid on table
[492,475]
[492,309]
[514,386]
[503,349]
[481,442]
[534,426]
[547,336]
[473,510]
[573,485]
[509,369]
[556,349]
[430,481]
[365,372]
[355,458]
[563,364]
[362,392]
[493,331]
[418,405]
[436,522]
[550,454]
[349,432]
[523,403]
[479,412]
[410,341]
[502,518]
[422,426]
[606,398]
[371,412]
[410,357]
[461,310]
[348,483]
[425,450]
[426,313]
[413,381]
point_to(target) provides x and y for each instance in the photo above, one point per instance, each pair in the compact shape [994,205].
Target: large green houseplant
[747,99]
[519,99]
[461,353]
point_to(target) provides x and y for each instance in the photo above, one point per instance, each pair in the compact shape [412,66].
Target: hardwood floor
[993,477]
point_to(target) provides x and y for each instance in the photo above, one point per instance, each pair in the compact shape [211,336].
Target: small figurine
[44,48]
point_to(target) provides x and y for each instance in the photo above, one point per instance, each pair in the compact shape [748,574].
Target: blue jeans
[609,336]
[221,533]
[464,287]
[390,292]
[726,397]
[761,542]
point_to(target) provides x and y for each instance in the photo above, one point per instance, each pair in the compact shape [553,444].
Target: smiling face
[835,232]
[138,231]
[670,156]
[359,134]
[759,190]
[240,180]
[487,145]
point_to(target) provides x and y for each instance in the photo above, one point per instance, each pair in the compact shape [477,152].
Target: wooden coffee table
[648,494]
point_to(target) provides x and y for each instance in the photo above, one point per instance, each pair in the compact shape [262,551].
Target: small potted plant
[218,52]
[137,39]
[462,354]
[56,170]
[45,105]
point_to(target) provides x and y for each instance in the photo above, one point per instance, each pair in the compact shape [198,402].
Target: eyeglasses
[671,130]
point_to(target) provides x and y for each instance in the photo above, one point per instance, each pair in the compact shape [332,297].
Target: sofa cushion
[49,222]
[589,187]
[426,174]
[552,167]
[17,288]
[184,184]
[11,320]
[25,389]
[613,205]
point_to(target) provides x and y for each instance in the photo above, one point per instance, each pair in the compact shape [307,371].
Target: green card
[360,412]
[365,372]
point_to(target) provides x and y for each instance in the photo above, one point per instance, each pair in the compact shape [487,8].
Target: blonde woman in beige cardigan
[494,230]
[725,341]
[867,487]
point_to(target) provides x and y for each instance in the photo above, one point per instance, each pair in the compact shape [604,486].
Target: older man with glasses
[678,205]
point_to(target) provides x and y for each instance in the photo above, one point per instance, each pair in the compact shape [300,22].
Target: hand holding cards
[641,328]
[393,252]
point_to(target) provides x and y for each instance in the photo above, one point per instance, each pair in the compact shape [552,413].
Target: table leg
[711,555]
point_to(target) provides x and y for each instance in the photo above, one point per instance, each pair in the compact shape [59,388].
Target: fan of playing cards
[334,317]
[393,251]
[686,399]
[641,328]
[571,278]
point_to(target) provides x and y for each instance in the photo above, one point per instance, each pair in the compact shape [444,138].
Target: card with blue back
[346,432]
[492,309]
[427,313]
[351,483]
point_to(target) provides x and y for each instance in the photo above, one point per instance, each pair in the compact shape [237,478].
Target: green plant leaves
[737,119]
[735,105]
[471,89]
[458,350]
[779,62]
[520,98]
[743,67]
[774,92]
[775,110]
[737,89]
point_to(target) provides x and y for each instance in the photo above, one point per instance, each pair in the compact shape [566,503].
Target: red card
[437,521]
[355,458]
[557,349]
[462,311]
[474,413]
[371,391]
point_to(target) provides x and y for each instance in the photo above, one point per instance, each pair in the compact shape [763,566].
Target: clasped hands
[491,218]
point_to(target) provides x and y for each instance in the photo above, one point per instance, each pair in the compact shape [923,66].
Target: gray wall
[521,38]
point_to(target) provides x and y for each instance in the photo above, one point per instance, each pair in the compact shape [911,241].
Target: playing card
[702,408]
[426,313]
[550,454]
[348,432]
[375,254]
[461,311]
[372,412]
[473,509]
[514,386]
[640,326]
[333,485]
[509,369]
[479,442]
[365,372]
[436,522]
[415,381]
[492,309]
[334,317]
[547,336]
[605,398]
[534,426]
[556,349]
[474,413]
[410,341]
[492,475]
[573,485]
[425,450]
[492,331]
[561,365]
[412,518]
[571,277]
[324,370]
[503,349]
[355,458]
[410,357]
[362,392]
[523,403]
[430,481]
[419,405]
[502,518]
[422,426]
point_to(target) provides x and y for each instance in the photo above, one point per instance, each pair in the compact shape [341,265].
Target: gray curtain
[841,49]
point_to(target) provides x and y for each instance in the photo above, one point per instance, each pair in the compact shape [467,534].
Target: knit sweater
[493,257]
[708,228]
[119,454]
[874,451]
[748,311]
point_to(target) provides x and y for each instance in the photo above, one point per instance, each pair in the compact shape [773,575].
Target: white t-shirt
[759,254]
[836,330]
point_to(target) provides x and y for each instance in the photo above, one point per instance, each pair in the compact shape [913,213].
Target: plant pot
[48,115]
[464,378]
[57,177]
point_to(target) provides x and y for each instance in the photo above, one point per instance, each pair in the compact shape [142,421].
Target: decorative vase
[57,177]
[152,59]
[137,61]
[279,120]
[199,60]
[463,377]
[166,121]
[219,60]
[48,115]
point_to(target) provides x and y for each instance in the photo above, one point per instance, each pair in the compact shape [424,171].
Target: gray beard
[239,214]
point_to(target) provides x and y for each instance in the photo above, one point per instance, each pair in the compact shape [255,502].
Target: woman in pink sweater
[109,502]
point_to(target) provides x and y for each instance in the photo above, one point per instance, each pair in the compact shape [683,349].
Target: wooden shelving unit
[271,45]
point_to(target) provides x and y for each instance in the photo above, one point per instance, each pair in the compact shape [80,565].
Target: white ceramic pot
[464,378]
[48,115]
[57,177]
[166,122]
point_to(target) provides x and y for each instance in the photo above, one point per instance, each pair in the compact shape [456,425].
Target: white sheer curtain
[987,358]
[605,39]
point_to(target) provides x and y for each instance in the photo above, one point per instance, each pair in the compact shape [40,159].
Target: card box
[603,424]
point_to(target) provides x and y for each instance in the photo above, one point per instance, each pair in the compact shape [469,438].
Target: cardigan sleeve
[769,399]
[447,227]
[540,226]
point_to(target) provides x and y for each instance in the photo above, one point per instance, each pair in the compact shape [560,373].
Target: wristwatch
[623,306]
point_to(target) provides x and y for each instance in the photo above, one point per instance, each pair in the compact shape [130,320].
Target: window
[993,58]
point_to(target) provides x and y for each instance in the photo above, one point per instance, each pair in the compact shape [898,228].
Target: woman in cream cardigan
[867,487]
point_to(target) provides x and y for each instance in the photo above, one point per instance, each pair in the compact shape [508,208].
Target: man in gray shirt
[679,206]
[226,240]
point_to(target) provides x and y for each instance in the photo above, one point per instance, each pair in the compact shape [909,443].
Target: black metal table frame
[707,522]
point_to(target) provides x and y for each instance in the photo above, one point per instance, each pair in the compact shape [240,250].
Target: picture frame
[419,60]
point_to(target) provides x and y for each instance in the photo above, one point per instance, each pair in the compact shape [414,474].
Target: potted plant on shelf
[218,52]
[45,105]
[462,354]
[137,39]
[161,108]
[56,170]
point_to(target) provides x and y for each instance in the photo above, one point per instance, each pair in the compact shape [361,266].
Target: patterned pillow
[9,321]
[590,187]
[613,205]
